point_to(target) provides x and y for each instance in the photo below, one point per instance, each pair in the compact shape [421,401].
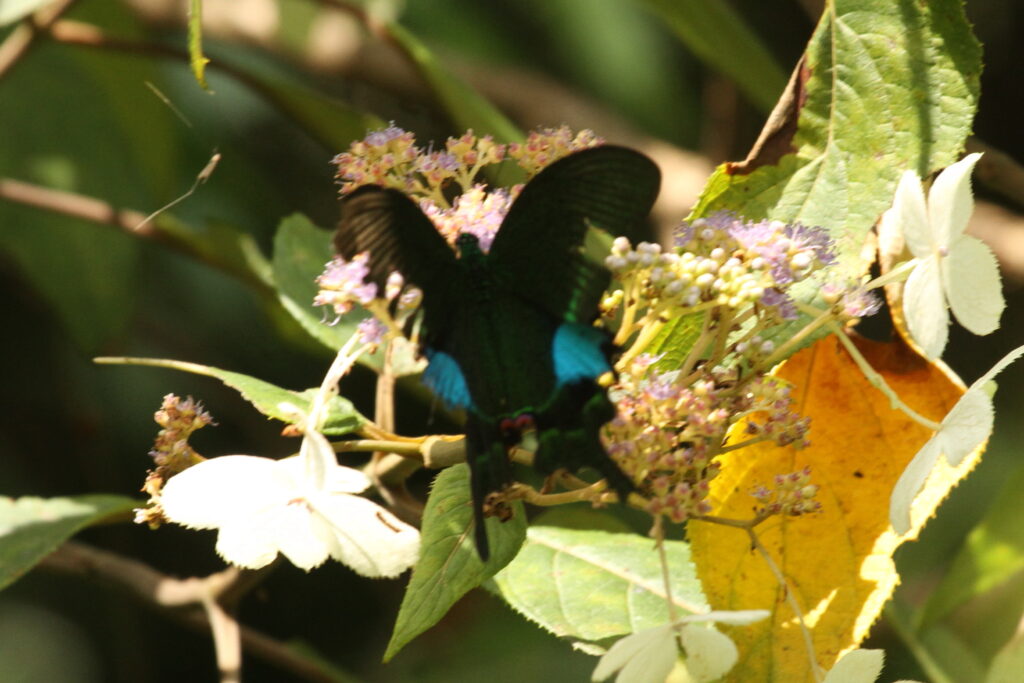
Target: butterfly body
[508,333]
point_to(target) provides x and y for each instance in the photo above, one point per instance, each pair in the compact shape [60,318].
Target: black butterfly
[508,333]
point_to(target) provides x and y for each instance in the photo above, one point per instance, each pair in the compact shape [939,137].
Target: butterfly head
[513,428]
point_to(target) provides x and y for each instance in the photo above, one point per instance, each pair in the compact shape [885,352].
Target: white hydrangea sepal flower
[964,428]
[304,507]
[954,271]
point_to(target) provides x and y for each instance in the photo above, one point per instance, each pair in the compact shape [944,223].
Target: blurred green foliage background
[121,119]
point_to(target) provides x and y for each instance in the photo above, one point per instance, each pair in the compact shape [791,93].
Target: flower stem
[878,382]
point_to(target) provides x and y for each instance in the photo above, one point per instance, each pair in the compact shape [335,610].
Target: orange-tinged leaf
[838,563]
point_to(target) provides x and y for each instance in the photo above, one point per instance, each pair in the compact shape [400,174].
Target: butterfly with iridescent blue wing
[509,334]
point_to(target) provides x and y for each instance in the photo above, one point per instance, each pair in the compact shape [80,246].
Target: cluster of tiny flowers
[343,284]
[385,157]
[476,211]
[780,424]
[793,495]
[390,158]
[445,185]
[724,261]
[171,451]
[669,429]
[548,145]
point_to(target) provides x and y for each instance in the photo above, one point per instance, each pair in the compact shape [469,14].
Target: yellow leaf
[838,563]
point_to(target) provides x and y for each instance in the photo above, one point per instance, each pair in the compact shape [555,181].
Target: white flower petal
[342,479]
[366,537]
[709,653]
[245,541]
[910,215]
[336,478]
[910,483]
[857,666]
[924,308]
[207,495]
[970,274]
[966,426]
[643,657]
[963,429]
[317,454]
[731,617]
[950,203]
[971,420]
[300,534]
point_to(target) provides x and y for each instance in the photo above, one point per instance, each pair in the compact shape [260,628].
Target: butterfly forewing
[399,237]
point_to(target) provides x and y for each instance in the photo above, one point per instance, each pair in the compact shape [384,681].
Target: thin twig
[659,538]
[227,640]
[181,599]
[392,489]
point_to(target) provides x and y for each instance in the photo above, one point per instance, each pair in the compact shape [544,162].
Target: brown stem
[21,39]
[182,600]
[594,492]
[76,206]
[126,220]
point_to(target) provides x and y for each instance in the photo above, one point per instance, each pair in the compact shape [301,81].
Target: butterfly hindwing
[537,252]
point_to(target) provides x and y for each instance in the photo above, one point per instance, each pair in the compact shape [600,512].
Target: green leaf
[342,417]
[717,34]
[32,528]
[466,107]
[883,87]
[1008,663]
[992,554]
[676,339]
[449,566]
[196,59]
[301,250]
[15,10]
[220,245]
[941,653]
[593,585]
